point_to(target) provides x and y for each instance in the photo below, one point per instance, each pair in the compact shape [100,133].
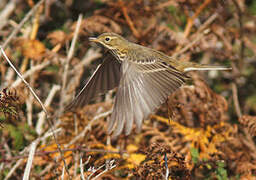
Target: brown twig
[240,60]
[45,153]
[88,127]
[198,35]
[33,34]
[29,73]
[67,61]
[25,82]
[166,4]
[37,98]
[108,166]
[18,163]
[235,100]
[12,170]
[90,56]
[42,115]
[6,12]
[17,29]
[241,33]
[129,21]
[190,23]
[191,44]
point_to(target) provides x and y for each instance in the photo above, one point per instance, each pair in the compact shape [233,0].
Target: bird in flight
[144,78]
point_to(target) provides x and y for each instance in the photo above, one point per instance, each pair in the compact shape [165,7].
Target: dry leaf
[57,37]
[32,49]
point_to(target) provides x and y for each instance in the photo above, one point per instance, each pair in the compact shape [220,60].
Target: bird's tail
[203,67]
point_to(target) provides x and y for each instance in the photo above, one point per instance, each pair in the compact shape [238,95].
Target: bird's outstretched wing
[106,77]
[142,89]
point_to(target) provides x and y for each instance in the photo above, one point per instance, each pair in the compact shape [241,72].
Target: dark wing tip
[104,78]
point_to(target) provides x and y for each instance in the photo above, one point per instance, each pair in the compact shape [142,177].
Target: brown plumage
[144,77]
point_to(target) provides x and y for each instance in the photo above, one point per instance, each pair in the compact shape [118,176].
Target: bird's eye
[107,39]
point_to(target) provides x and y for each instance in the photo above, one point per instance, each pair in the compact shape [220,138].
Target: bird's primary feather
[142,89]
[105,77]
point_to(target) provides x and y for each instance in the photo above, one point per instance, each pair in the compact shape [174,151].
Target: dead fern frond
[159,158]
[206,140]
[99,24]
[249,122]
[198,105]
[9,103]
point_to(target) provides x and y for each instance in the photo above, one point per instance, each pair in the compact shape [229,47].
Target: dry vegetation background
[206,130]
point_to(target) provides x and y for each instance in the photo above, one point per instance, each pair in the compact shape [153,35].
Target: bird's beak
[93,39]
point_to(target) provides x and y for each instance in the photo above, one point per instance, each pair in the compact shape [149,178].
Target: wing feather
[142,89]
[106,77]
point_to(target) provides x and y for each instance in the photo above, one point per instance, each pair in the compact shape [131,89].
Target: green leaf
[251,101]
[208,166]
[17,136]
[172,10]
[252,7]
[221,172]
[195,155]
[29,133]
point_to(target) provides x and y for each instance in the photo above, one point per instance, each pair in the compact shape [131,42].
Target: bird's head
[111,41]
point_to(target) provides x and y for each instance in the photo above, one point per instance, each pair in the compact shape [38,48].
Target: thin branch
[189,45]
[81,149]
[235,100]
[17,29]
[76,164]
[82,167]
[88,58]
[9,76]
[129,21]
[6,12]
[241,32]
[208,22]
[108,166]
[41,115]
[25,82]
[29,100]
[190,23]
[240,61]
[63,173]
[88,127]
[49,120]
[69,57]
[29,105]
[76,153]
[166,167]
[30,72]
[198,35]
[30,160]
[17,164]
